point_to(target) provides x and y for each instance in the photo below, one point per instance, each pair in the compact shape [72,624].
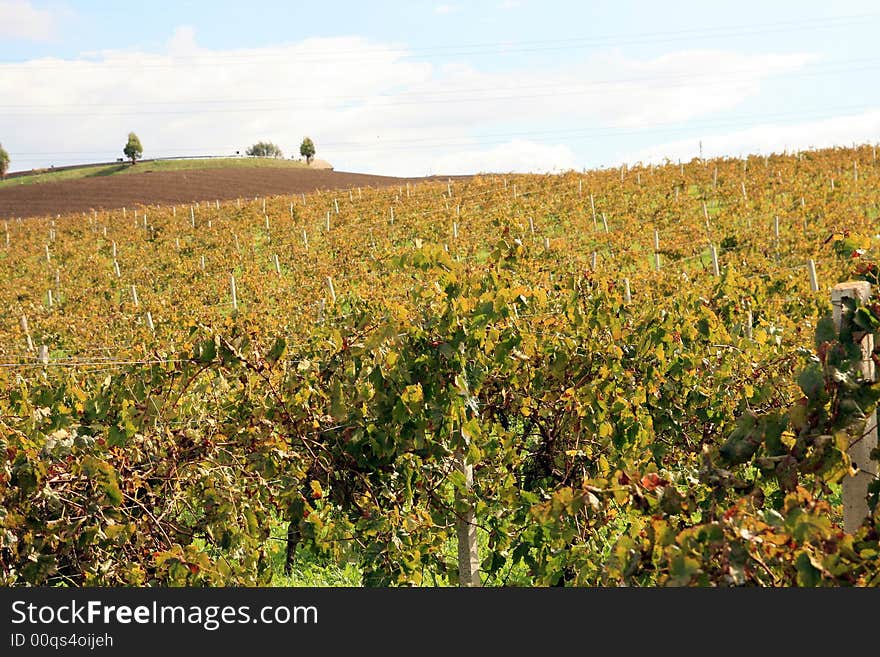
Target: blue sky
[436,87]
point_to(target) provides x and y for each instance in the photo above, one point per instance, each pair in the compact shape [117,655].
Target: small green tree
[307,150]
[264,149]
[4,161]
[133,149]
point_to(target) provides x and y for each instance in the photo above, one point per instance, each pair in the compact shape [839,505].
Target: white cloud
[769,138]
[516,156]
[19,19]
[368,106]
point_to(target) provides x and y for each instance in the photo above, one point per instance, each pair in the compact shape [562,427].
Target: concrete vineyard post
[234,292]
[814,281]
[466,528]
[855,487]
[605,222]
[43,354]
[331,289]
[627,295]
[277,264]
[134,296]
[715,269]
[150,324]
[657,250]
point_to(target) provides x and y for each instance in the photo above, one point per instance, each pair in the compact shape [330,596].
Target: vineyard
[618,377]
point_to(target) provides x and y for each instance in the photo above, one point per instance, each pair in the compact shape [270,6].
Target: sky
[419,88]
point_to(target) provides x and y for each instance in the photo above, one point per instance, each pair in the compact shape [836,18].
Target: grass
[100,170]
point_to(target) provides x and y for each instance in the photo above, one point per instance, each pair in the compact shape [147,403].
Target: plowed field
[169,187]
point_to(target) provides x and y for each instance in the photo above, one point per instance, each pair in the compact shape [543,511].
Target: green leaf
[277,351]
[825,331]
[812,381]
[807,573]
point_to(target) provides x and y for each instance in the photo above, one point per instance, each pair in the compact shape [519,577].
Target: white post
[855,487]
[202,262]
[264,205]
[27,333]
[466,528]
[114,250]
[150,324]
[455,230]
[605,222]
[51,302]
[330,288]
[328,222]
[657,250]
[234,292]
[192,216]
[547,243]
[267,222]
[48,255]
[593,209]
[277,264]
[814,280]
[715,268]
[776,227]
[532,225]
[305,240]
[743,185]
[116,269]
[392,215]
[43,354]
[134,296]
[627,295]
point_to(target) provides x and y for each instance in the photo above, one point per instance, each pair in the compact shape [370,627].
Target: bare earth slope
[169,187]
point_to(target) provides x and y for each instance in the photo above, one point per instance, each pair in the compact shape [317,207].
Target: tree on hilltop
[4,161]
[307,150]
[133,149]
[264,149]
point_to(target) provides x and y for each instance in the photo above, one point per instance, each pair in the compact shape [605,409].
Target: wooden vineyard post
[466,528]
[855,487]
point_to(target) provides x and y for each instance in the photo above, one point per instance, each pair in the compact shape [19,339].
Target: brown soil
[171,187]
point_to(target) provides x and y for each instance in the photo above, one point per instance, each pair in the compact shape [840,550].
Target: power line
[420,97]
[491,48]
[726,78]
[570,134]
